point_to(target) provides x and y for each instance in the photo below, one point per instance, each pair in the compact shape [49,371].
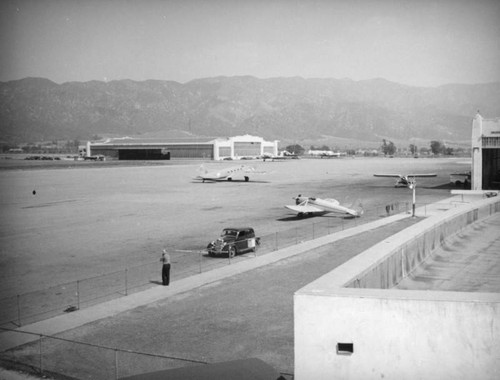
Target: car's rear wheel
[231,252]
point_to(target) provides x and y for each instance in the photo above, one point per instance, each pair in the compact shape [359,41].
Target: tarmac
[59,324]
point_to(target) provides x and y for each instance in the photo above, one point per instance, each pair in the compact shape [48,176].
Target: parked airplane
[311,205]
[323,153]
[405,180]
[227,174]
[281,156]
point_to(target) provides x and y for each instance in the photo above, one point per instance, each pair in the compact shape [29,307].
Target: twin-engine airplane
[405,180]
[310,206]
[228,174]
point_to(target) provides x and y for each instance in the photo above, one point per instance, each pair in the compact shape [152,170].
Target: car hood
[227,239]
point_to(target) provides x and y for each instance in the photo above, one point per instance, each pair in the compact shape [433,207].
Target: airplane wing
[422,175]
[409,175]
[388,175]
[331,200]
[304,209]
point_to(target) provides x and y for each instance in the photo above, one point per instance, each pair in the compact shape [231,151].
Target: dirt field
[95,219]
[66,224]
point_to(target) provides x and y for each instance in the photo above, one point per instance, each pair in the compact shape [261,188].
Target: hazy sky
[415,42]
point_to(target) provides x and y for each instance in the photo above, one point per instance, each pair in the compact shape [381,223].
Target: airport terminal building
[237,147]
[485,153]
[403,309]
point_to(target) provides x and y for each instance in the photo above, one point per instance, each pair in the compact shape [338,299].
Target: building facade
[485,153]
[237,147]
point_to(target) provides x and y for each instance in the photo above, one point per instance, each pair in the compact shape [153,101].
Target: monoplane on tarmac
[284,155]
[405,180]
[317,206]
[227,174]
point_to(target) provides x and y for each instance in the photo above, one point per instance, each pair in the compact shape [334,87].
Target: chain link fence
[35,306]
[60,358]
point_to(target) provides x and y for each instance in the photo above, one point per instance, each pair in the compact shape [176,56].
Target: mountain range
[286,109]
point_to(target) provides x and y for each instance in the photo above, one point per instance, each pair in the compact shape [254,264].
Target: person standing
[165,270]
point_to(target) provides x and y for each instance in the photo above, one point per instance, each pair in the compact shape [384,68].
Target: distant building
[237,147]
[485,153]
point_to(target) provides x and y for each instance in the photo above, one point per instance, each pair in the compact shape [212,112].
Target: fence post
[116,364]
[201,257]
[18,310]
[40,351]
[126,281]
[78,293]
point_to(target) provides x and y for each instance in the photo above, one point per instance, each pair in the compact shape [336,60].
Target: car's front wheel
[231,251]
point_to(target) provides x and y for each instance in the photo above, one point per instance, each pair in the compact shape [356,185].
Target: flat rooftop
[468,262]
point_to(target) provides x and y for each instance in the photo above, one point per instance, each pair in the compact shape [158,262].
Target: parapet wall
[351,323]
[403,252]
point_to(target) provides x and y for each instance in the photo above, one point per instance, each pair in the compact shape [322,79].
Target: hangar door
[244,149]
[491,169]
[143,154]
[204,151]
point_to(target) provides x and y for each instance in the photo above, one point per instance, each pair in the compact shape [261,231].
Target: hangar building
[485,153]
[127,148]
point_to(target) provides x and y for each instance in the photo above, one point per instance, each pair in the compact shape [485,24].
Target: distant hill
[287,109]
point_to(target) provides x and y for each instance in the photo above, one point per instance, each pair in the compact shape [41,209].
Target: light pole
[412,185]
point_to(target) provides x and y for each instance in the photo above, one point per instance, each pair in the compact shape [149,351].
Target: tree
[413,149]
[295,148]
[436,147]
[448,151]
[324,147]
[388,148]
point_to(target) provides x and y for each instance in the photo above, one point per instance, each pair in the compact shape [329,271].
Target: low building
[237,147]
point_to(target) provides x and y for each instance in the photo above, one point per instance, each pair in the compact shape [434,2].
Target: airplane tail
[358,207]
[202,169]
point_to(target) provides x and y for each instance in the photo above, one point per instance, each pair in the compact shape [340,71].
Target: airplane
[227,174]
[311,205]
[324,153]
[405,180]
[285,155]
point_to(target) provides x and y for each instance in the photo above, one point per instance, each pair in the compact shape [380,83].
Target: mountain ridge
[282,108]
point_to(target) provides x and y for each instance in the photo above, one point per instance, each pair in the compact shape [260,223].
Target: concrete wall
[395,334]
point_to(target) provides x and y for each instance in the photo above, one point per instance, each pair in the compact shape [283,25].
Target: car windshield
[229,233]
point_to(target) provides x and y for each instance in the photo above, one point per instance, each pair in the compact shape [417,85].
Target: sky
[414,42]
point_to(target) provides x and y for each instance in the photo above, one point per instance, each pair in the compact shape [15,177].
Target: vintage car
[460,178]
[233,241]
